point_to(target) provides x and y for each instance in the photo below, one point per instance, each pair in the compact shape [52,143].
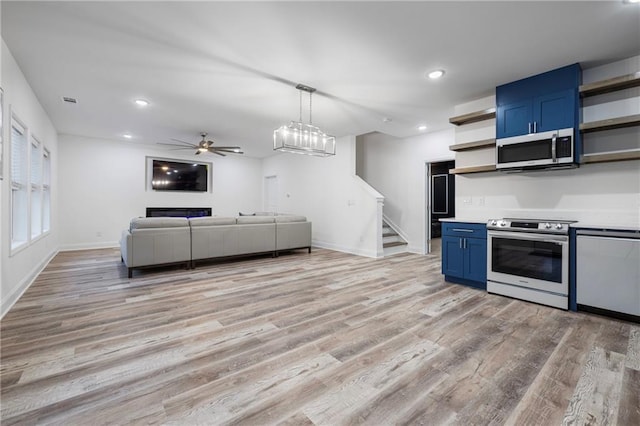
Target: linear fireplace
[178,211]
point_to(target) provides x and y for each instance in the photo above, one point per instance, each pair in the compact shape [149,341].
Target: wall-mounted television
[172,175]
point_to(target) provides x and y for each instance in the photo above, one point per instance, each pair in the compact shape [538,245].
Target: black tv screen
[178,176]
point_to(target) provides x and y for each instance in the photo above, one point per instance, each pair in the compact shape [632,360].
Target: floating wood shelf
[605,157]
[473,169]
[472,145]
[485,114]
[610,85]
[612,123]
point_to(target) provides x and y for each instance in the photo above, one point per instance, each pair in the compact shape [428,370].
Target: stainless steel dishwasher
[608,272]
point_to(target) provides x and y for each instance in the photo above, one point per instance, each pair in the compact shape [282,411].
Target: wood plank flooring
[324,338]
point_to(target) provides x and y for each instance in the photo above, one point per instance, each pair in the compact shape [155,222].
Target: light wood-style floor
[324,338]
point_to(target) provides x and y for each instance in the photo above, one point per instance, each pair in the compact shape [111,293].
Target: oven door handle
[530,237]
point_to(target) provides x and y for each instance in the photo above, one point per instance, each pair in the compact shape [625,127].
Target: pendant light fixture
[301,138]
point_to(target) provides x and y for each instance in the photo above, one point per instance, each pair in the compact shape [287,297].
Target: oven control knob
[547,225]
[494,222]
[503,223]
[558,226]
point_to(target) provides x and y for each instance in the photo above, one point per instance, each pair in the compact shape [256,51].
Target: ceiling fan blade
[198,152]
[226,147]
[175,144]
[182,142]
[229,151]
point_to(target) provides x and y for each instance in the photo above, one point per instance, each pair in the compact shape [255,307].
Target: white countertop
[461,220]
[602,226]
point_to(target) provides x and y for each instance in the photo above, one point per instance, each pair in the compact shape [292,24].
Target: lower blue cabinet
[464,253]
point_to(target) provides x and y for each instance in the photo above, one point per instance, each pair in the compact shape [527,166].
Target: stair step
[394,244]
[389,234]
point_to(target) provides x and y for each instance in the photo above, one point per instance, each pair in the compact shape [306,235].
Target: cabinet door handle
[529,127]
[461,230]
[554,157]
[535,127]
[464,245]
[460,242]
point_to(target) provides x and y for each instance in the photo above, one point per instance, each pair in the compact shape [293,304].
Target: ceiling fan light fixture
[141,102]
[435,74]
[300,138]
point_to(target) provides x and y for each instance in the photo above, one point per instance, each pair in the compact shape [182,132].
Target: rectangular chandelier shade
[301,138]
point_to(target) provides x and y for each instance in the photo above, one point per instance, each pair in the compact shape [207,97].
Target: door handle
[460,242]
[461,230]
[464,245]
[535,127]
[529,127]
[553,148]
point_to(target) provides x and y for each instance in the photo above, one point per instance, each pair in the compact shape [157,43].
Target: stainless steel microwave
[536,150]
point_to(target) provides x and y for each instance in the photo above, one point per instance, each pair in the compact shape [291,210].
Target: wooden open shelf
[605,157]
[472,145]
[612,123]
[610,85]
[473,169]
[485,114]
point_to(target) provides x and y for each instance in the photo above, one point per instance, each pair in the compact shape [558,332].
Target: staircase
[392,243]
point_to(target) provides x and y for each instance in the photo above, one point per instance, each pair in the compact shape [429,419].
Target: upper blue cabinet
[544,102]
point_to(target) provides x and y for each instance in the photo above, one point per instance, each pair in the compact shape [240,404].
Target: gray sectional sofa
[152,241]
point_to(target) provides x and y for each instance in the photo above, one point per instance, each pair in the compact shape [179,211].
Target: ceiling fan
[205,146]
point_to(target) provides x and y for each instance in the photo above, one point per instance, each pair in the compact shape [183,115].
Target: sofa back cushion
[212,221]
[290,218]
[158,222]
[255,219]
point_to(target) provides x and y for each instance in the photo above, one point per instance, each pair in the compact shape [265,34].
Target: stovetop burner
[552,226]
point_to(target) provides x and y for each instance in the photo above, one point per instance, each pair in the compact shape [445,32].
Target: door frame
[426,231]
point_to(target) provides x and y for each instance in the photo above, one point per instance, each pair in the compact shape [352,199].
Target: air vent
[70,100]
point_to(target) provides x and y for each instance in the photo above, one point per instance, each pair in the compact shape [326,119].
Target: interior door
[271,194]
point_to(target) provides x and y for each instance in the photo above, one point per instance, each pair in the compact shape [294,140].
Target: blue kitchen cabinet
[464,253]
[544,102]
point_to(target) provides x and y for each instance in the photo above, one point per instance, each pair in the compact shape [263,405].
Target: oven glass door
[529,260]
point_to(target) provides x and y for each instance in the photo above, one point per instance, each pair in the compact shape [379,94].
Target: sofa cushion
[255,219]
[290,218]
[212,221]
[158,222]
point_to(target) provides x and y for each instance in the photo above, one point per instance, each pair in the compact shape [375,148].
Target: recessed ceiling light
[435,74]
[69,99]
[127,136]
[422,127]
[141,102]
[386,120]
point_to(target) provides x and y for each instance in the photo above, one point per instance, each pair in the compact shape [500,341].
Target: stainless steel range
[529,259]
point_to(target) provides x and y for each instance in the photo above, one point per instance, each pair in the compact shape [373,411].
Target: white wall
[396,168]
[20,268]
[595,194]
[344,210]
[103,186]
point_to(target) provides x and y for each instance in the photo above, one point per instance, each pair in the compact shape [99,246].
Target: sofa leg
[130,272]
[121,259]
[274,254]
[309,249]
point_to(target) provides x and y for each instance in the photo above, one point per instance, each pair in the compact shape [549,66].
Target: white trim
[344,249]
[89,246]
[18,291]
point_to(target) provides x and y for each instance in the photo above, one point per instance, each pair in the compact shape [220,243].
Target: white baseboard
[344,249]
[90,246]
[13,297]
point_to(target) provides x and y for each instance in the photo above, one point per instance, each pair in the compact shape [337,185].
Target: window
[30,186]
[46,191]
[19,185]
[36,188]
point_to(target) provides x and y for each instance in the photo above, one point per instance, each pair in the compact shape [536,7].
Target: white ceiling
[229,68]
